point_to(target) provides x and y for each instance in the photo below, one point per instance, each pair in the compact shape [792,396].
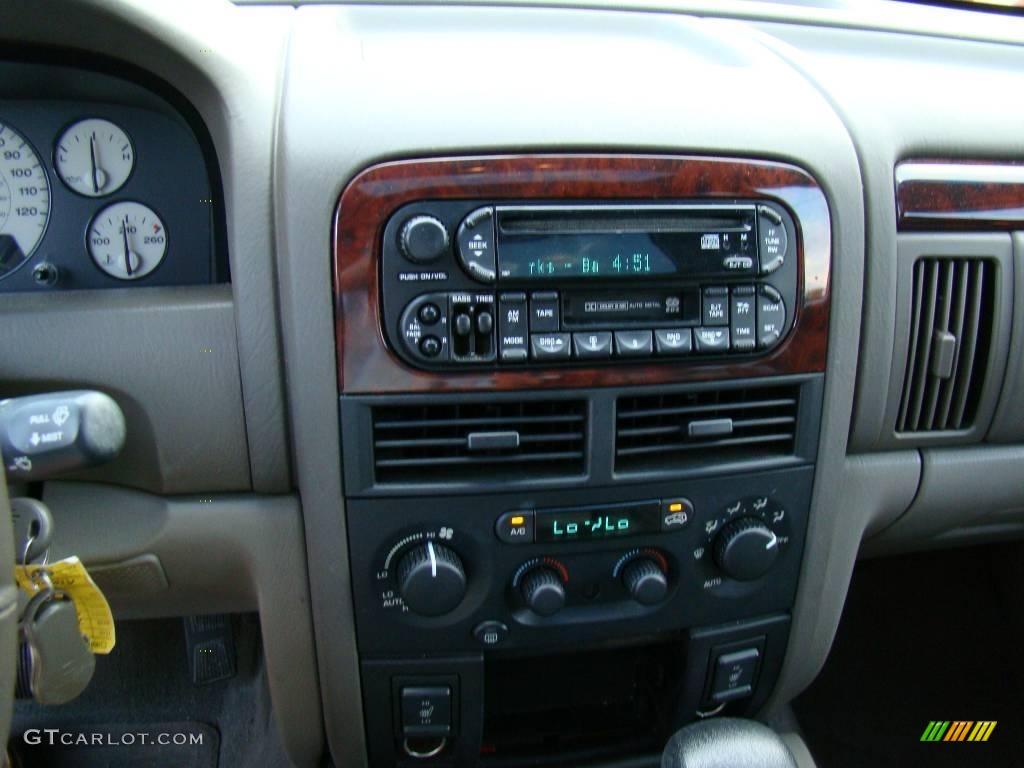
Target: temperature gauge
[127,240]
[94,157]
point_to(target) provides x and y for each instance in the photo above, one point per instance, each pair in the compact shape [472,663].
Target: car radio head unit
[467,284]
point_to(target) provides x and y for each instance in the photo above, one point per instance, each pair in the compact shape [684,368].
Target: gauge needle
[95,170]
[127,251]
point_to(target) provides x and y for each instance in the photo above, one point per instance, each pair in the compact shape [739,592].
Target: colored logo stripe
[982,730]
[958,730]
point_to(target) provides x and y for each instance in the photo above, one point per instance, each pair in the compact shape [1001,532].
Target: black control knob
[431,579]
[423,238]
[746,549]
[645,581]
[543,591]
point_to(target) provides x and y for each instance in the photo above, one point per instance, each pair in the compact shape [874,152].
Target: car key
[33,529]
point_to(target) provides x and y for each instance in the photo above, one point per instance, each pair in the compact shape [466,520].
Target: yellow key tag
[69,576]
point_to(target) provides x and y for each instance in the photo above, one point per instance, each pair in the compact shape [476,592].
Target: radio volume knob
[431,579]
[423,238]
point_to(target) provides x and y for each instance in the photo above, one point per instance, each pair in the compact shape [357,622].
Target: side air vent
[496,441]
[698,429]
[951,327]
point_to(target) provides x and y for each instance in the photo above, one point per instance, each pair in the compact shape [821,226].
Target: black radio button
[544,312]
[634,343]
[430,346]
[549,346]
[484,323]
[512,327]
[716,306]
[742,310]
[590,345]
[673,341]
[463,325]
[711,339]
[738,263]
[771,317]
[772,239]
[475,240]
[429,313]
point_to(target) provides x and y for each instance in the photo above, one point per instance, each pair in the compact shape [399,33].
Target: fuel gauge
[127,240]
[94,157]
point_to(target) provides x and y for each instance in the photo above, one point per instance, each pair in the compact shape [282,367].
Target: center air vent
[495,441]
[952,321]
[699,429]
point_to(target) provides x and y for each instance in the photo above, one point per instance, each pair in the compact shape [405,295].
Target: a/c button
[515,527]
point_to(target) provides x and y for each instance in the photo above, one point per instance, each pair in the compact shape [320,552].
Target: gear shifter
[727,742]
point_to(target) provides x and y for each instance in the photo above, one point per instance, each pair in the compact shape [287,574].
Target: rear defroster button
[490,633]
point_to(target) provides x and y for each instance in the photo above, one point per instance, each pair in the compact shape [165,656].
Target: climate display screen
[604,522]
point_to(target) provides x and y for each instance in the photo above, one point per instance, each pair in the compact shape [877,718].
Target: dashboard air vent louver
[495,441]
[951,330]
[697,429]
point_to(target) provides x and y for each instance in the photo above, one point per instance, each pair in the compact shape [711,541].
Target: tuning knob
[645,581]
[746,549]
[543,591]
[431,579]
[423,238]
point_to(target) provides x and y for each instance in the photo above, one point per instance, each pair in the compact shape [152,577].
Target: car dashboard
[537,374]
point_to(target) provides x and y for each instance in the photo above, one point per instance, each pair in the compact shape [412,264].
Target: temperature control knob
[431,579]
[423,238]
[645,581]
[746,549]
[543,591]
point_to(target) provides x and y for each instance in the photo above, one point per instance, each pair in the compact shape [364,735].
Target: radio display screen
[617,244]
[604,522]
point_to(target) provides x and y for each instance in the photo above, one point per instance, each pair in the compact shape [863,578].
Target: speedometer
[24,200]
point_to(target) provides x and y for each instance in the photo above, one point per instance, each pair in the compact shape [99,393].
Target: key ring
[28,545]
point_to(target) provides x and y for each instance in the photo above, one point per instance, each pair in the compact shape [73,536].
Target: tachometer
[24,200]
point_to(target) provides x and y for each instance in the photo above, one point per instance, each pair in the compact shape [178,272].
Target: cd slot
[525,221]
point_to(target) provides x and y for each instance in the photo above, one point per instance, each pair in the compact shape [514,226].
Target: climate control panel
[505,571]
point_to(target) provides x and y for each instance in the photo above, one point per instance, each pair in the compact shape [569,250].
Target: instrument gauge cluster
[96,194]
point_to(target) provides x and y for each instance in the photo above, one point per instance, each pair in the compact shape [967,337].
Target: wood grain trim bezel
[937,195]
[367,366]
